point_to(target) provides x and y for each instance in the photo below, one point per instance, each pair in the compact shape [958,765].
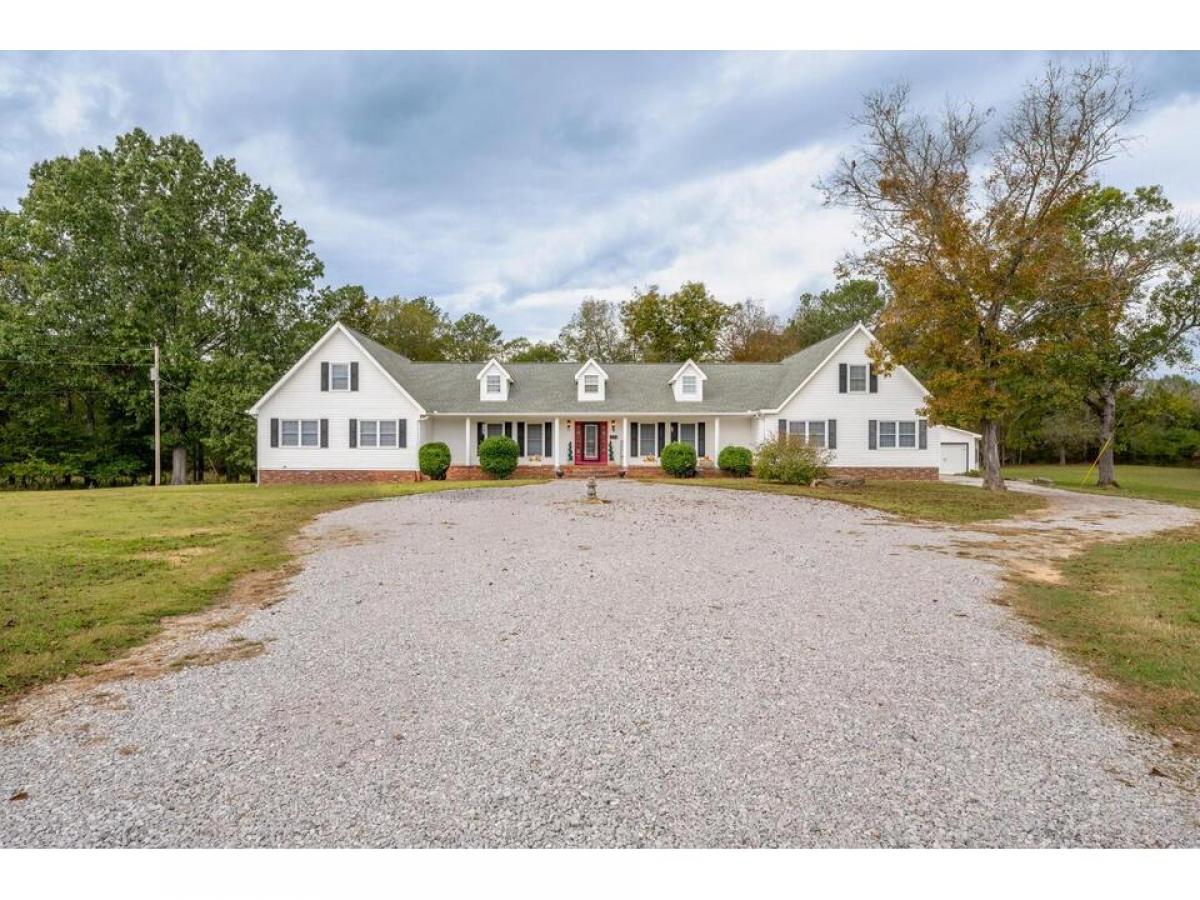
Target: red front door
[591,443]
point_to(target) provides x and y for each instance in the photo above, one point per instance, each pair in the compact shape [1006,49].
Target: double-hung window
[857,381]
[902,434]
[377,432]
[687,434]
[689,385]
[339,376]
[533,438]
[493,384]
[493,429]
[647,438]
[299,433]
[591,384]
[811,433]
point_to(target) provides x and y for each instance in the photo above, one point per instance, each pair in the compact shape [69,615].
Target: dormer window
[494,382]
[687,383]
[590,381]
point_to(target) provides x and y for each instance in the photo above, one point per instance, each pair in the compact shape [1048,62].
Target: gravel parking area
[677,666]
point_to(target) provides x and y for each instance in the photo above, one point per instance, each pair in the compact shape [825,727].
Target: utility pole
[157,438]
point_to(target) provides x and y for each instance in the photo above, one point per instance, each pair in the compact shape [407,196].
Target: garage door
[954,459]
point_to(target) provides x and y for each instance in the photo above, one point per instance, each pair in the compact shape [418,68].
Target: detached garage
[960,451]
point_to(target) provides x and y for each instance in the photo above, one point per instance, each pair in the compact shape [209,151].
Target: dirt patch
[174,558]
[236,648]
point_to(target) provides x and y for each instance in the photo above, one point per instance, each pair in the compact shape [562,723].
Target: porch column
[467,444]
[557,441]
[716,451]
[625,443]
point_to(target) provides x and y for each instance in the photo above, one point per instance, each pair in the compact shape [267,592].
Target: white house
[351,409]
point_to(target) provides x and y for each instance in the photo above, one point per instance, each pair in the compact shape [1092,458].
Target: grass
[919,500]
[1170,484]
[84,575]
[1130,612]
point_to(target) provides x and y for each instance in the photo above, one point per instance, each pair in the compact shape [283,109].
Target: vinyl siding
[899,397]
[301,397]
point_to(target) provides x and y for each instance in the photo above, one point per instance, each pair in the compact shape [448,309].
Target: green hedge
[434,460]
[737,461]
[498,456]
[678,460]
[791,461]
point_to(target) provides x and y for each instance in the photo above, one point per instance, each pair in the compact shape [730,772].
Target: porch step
[591,471]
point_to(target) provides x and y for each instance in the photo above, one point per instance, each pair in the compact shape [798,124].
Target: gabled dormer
[688,383]
[493,382]
[590,382]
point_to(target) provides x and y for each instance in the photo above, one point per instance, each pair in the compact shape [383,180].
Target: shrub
[791,461]
[678,460]
[434,460]
[498,456]
[737,461]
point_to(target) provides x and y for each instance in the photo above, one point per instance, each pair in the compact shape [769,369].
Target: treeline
[148,242]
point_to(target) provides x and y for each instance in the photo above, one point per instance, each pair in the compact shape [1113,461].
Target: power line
[66,362]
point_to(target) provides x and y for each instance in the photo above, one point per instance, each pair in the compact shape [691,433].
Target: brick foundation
[887,473]
[334,476]
[475,473]
[657,472]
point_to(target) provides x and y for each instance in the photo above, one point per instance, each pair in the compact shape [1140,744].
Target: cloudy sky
[516,184]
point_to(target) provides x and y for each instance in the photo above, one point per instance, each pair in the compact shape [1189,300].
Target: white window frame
[804,432]
[642,426]
[541,433]
[896,423]
[494,384]
[689,385]
[377,425]
[300,423]
[487,429]
[333,367]
[591,383]
[866,378]
[694,443]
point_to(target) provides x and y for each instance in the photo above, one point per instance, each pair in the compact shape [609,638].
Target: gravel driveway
[678,666]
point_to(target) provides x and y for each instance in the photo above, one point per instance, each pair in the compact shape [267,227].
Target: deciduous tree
[971,232]
[594,332]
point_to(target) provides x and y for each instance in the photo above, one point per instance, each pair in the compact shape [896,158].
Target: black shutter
[700,439]
[520,439]
[674,432]
[508,429]
[324,432]
[274,432]
[479,432]
[843,378]
[548,440]
[831,434]
[872,432]
[662,436]
[354,376]
[402,433]
[782,427]
[353,433]
[324,376]
[874,381]
[923,435]
[635,440]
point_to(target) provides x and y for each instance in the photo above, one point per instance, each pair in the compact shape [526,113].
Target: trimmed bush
[434,460]
[498,456]
[678,460]
[737,461]
[791,461]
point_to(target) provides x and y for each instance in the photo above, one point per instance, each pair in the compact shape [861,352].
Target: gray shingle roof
[443,387]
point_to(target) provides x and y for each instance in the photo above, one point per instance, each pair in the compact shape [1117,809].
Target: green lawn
[921,500]
[1170,484]
[86,574]
[1130,611]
